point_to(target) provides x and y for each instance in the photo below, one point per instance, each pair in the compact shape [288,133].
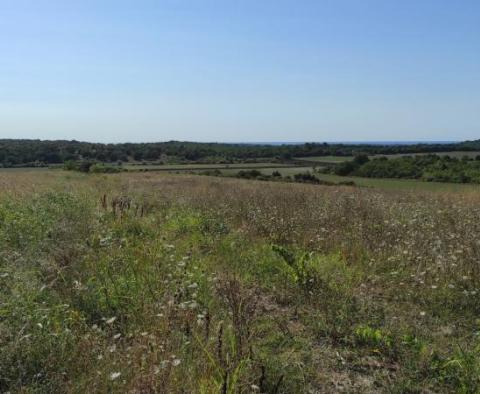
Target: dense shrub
[426,167]
[102,168]
[87,166]
[306,177]
[249,174]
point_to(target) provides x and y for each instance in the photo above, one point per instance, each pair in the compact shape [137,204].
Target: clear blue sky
[243,70]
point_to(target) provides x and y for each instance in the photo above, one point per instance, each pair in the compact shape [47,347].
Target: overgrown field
[188,284]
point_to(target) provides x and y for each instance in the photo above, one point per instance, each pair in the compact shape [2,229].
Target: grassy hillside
[149,282]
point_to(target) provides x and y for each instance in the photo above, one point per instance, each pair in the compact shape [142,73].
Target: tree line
[15,152]
[433,168]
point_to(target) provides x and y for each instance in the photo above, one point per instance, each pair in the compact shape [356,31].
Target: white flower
[176,362]
[114,375]
[193,305]
[116,336]
[111,320]
[422,313]
[164,363]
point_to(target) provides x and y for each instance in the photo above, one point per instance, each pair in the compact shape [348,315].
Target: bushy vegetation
[91,167]
[158,283]
[424,167]
[249,174]
[276,176]
[41,153]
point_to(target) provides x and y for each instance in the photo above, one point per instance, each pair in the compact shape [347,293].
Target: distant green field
[385,184]
[401,184]
[201,167]
[325,159]
[284,171]
[24,169]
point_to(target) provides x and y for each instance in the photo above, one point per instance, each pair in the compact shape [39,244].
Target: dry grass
[159,283]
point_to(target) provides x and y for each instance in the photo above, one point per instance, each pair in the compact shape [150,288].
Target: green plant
[372,337]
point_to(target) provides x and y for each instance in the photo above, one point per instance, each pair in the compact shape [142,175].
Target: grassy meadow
[326,159]
[200,167]
[153,282]
[374,183]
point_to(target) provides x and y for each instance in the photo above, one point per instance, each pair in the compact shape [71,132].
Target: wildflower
[114,375]
[116,336]
[176,362]
[422,313]
[77,285]
[111,320]
[164,363]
